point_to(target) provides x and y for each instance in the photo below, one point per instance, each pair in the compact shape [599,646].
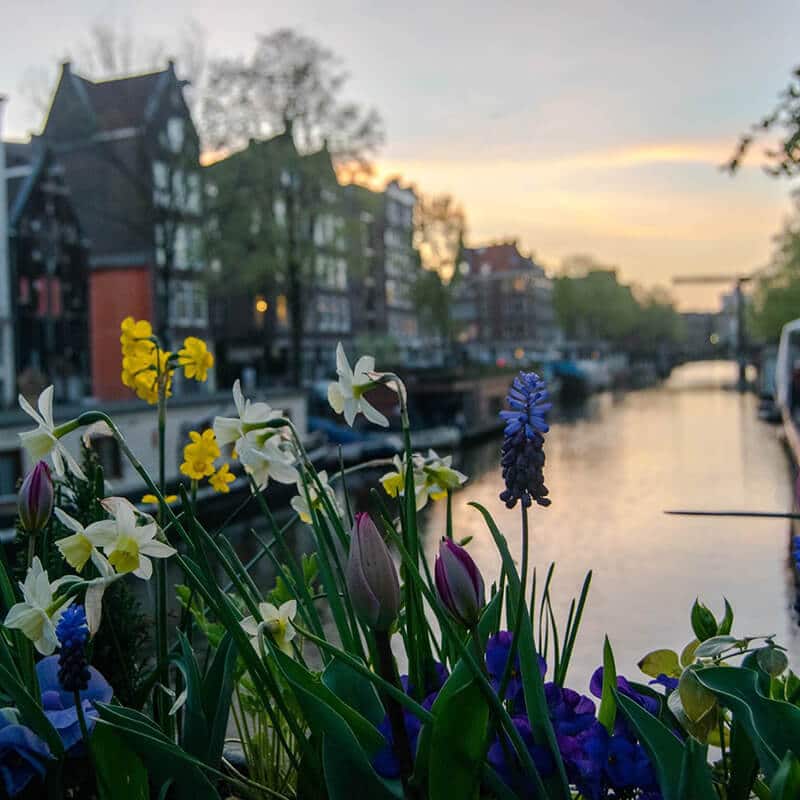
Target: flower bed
[306,671]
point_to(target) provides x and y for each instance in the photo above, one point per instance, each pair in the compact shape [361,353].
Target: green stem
[520,604]
[81,719]
[388,671]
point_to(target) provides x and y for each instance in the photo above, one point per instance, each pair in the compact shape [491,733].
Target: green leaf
[459,738]
[695,781]
[703,623]
[608,707]
[351,687]
[320,704]
[786,783]
[664,749]
[744,764]
[772,725]
[687,654]
[661,662]
[217,693]
[119,771]
[727,621]
[194,731]
[164,760]
[30,710]
[715,646]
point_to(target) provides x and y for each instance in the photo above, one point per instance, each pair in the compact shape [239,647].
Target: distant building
[387,265]
[702,335]
[130,155]
[48,276]
[503,305]
[277,229]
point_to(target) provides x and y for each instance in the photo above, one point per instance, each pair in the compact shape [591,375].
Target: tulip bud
[35,502]
[372,577]
[459,583]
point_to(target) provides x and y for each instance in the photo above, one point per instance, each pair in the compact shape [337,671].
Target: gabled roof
[497,258]
[114,103]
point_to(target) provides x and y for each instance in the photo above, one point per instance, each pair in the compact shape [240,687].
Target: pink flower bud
[372,577]
[459,583]
[35,504]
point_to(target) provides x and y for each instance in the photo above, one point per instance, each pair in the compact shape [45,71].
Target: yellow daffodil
[145,367]
[152,500]
[195,358]
[199,455]
[394,482]
[221,478]
[440,475]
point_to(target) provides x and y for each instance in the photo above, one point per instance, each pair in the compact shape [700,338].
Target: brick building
[130,156]
[504,304]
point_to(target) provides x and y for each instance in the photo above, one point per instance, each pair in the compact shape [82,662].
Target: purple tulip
[372,577]
[35,504]
[459,583]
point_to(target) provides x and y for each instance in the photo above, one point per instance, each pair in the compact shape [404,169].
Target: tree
[290,80]
[112,50]
[291,85]
[440,227]
[776,299]
[783,158]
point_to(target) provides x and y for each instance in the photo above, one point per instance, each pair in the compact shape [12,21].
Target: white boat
[787,384]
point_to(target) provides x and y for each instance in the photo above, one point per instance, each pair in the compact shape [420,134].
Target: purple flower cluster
[598,763]
[522,455]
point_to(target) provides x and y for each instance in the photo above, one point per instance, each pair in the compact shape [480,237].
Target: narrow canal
[612,468]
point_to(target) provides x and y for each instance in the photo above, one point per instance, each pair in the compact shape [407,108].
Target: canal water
[613,467]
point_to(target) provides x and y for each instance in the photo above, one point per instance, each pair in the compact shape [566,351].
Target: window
[175,134]
[193,193]
[10,471]
[109,456]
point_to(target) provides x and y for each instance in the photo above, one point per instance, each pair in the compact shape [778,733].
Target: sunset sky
[593,127]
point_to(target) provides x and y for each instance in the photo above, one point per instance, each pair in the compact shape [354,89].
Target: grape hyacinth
[73,633]
[523,445]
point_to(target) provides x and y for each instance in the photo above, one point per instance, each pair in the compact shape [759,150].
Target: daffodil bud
[35,502]
[459,583]
[372,577]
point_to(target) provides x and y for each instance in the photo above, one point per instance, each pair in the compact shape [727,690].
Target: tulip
[459,583]
[372,577]
[35,502]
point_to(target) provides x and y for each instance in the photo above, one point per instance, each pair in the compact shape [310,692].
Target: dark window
[108,454]
[10,471]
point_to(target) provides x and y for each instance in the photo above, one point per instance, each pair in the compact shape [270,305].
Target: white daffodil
[276,621]
[38,614]
[95,589]
[346,395]
[300,502]
[128,546]
[251,416]
[394,482]
[45,439]
[265,455]
[440,475]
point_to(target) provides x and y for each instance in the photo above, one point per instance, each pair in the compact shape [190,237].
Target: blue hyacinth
[73,633]
[522,457]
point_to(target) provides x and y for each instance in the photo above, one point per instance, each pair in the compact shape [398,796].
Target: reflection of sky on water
[612,470]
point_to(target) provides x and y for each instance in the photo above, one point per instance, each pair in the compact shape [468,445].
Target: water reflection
[612,468]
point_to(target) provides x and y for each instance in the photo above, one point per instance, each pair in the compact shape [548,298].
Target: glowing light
[261,305]
[714,338]
[519,353]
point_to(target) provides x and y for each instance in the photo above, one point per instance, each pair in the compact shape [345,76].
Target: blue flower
[522,454]
[670,684]
[23,755]
[497,651]
[59,705]
[73,633]
[504,760]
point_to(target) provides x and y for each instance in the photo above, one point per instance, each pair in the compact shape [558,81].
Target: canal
[613,467]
